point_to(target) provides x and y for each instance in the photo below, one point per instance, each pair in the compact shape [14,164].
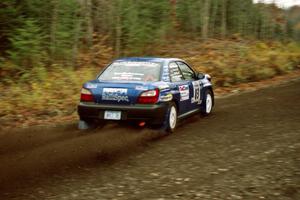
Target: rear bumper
[154,113]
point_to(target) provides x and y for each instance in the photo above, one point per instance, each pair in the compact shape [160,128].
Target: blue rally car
[157,91]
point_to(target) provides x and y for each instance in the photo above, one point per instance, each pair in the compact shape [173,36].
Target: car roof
[146,59]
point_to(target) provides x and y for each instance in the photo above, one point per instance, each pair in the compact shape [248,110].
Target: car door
[195,85]
[180,88]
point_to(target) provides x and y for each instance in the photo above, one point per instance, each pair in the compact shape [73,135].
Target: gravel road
[248,149]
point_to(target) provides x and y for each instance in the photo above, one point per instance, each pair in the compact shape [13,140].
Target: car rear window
[132,71]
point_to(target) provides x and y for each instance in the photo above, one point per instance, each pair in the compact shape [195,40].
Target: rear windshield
[132,71]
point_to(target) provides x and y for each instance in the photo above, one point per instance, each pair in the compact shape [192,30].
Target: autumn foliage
[49,48]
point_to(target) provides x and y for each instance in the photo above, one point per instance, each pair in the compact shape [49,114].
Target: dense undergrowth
[52,95]
[237,61]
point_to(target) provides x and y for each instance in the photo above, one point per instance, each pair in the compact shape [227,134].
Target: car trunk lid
[117,92]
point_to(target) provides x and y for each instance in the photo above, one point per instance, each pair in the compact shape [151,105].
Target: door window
[187,72]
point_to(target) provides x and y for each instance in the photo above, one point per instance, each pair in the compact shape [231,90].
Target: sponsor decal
[132,63]
[175,73]
[184,92]
[91,86]
[128,76]
[173,65]
[163,86]
[139,87]
[165,74]
[166,78]
[115,94]
[167,97]
[196,89]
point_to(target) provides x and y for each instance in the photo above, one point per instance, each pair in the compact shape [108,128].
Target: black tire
[169,126]
[205,110]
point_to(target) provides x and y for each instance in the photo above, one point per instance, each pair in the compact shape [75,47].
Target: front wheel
[170,120]
[207,104]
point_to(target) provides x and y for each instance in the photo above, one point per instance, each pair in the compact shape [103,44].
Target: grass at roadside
[54,98]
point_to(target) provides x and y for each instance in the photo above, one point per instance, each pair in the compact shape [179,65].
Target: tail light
[86,95]
[149,97]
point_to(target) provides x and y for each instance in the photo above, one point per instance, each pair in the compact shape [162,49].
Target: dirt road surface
[248,149]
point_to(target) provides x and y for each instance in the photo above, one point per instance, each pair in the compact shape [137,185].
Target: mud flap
[83,125]
[165,128]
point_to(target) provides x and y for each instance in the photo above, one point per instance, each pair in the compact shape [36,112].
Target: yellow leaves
[262,46]
[100,53]
[232,61]
[57,94]
[47,85]
[297,26]
[35,86]
[5,108]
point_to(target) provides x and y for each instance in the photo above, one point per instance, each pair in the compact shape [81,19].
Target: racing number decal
[196,98]
[197,94]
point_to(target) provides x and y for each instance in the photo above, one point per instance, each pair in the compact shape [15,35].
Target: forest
[59,44]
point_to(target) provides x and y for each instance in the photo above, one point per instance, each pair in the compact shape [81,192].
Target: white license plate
[112,115]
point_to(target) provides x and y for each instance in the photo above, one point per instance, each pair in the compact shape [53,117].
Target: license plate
[112,115]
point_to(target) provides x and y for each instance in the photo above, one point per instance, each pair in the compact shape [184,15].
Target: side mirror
[208,77]
[200,76]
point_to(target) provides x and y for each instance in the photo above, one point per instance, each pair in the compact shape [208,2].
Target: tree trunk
[89,21]
[77,31]
[118,29]
[224,19]
[53,28]
[205,19]
[213,18]
[174,21]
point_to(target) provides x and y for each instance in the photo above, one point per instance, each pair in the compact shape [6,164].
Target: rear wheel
[170,120]
[207,104]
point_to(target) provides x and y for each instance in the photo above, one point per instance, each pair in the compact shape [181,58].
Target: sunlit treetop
[281,3]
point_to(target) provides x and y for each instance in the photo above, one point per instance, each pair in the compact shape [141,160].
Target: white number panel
[196,92]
